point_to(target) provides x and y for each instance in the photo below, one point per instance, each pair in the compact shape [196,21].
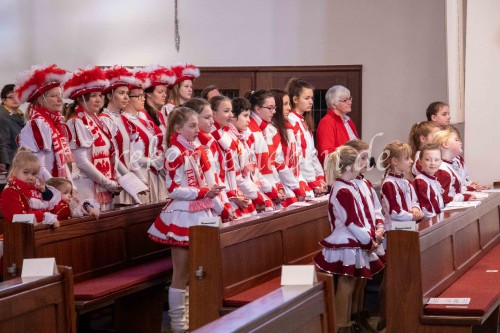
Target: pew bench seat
[481,283]
[104,290]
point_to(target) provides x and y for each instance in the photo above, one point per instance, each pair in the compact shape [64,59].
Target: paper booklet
[132,185]
[463,204]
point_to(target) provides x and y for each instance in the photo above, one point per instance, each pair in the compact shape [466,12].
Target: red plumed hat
[39,79]
[118,76]
[159,75]
[184,71]
[85,81]
[141,78]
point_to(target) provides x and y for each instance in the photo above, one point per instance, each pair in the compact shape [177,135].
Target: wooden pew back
[44,305]
[92,248]
[245,253]
[422,265]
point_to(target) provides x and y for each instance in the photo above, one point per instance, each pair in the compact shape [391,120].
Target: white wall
[401,44]
[482,87]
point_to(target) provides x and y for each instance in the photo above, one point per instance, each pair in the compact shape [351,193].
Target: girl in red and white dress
[146,150]
[206,142]
[285,144]
[228,144]
[450,178]
[156,89]
[246,163]
[45,133]
[421,133]
[191,198]
[123,131]
[68,207]
[263,108]
[181,90]
[348,251]
[427,186]
[399,199]
[301,95]
[26,193]
[94,171]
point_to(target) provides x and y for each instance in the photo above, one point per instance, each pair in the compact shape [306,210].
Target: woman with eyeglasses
[94,171]
[263,107]
[123,132]
[302,98]
[336,127]
[146,151]
[12,120]
[45,134]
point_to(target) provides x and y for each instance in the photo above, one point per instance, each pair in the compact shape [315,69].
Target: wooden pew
[435,262]
[247,254]
[286,309]
[43,305]
[113,261]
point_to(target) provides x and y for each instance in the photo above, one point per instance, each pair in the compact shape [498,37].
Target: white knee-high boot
[177,310]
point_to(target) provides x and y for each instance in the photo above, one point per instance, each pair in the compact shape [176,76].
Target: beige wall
[401,44]
[482,84]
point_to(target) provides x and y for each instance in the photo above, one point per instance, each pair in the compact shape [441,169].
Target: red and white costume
[262,146]
[94,172]
[19,197]
[416,168]
[47,137]
[346,251]
[222,205]
[147,158]
[452,183]
[398,198]
[187,189]
[372,208]
[285,167]
[310,167]
[429,193]
[229,165]
[246,166]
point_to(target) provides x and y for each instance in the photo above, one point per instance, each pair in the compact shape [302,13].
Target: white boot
[186,304]
[177,310]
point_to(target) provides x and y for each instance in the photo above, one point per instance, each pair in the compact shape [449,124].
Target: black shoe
[362,324]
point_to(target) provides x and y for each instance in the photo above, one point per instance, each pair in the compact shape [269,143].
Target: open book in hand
[460,205]
[132,185]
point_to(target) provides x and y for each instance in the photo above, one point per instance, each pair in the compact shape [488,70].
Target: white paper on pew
[404,225]
[453,301]
[491,190]
[38,267]
[479,195]
[320,199]
[293,275]
[132,185]
[300,204]
[210,221]
[460,205]
[24,218]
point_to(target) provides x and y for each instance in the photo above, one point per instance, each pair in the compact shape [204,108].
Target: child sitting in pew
[68,207]
[349,251]
[420,134]
[449,176]
[427,186]
[26,193]
[398,195]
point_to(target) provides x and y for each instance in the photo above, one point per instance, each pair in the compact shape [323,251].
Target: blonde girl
[420,134]
[427,186]
[398,195]
[26,192]
[191,198]
[348,250]
[450,177]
